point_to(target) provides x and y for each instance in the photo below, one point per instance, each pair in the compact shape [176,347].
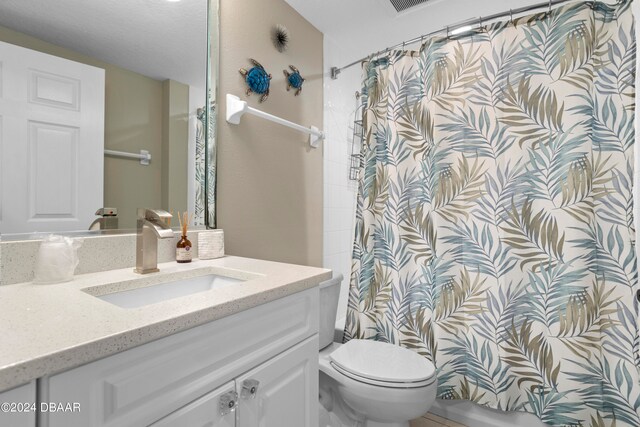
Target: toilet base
[345,402]
[375,424]
[329,419]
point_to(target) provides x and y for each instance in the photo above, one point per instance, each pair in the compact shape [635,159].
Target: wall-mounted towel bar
[144,156]
[237,107]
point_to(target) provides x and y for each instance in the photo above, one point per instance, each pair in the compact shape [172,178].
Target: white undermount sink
[139,297]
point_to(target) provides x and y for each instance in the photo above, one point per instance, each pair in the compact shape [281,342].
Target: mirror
[102,111]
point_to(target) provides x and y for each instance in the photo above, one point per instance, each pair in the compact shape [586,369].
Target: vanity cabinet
[18,406]
[183,376]
[278,393]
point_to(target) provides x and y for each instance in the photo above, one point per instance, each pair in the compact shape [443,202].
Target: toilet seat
[382,364]
[387,384]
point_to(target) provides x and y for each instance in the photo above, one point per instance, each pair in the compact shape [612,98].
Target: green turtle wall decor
[294,79]
[257,79]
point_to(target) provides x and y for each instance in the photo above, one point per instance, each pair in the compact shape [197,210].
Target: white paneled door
[51,142]
[282,392]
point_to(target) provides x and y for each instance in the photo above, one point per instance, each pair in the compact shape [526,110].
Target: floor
[432,420]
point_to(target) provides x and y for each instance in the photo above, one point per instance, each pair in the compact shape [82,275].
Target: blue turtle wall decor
[294,80]
[258,80]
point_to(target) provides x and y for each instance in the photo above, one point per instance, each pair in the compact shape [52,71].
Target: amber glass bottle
[183,250]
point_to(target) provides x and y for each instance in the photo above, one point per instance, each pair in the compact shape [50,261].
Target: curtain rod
[335,71]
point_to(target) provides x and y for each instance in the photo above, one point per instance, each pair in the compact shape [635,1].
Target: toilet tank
[329,295]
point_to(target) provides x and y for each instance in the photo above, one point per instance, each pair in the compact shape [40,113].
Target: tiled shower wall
[339,191]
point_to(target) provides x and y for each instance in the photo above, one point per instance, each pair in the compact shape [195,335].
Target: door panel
[204,412]
[287,390]
[54,91]
[51,142]
[52,171]
[23,415]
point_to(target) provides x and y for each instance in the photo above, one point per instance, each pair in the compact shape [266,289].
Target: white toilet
[366,383]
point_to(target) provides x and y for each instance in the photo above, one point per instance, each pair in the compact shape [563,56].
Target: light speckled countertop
[45,329]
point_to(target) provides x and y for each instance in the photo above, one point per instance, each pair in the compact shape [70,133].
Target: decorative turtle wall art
[294,80]
[258,80]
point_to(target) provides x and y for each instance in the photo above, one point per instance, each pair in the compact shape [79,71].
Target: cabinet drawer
[141,385]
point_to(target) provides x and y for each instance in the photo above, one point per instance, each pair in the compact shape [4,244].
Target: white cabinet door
[141,385]
[286,390]
[18,406]
[216,409]
[51,142]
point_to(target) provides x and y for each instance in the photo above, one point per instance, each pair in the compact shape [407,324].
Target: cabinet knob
[249,389]
[228,403]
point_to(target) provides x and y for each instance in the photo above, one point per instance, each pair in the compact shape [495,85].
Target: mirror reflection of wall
[153,60]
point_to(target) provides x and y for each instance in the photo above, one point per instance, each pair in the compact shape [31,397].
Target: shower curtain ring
[550,5]
[480,24]
[447,31]
[511,16]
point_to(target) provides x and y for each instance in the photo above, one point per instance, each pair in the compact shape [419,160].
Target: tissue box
[210,244]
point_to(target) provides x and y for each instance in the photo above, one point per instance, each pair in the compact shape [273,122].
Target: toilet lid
[382,363]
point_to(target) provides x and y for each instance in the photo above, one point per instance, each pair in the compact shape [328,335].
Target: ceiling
[157,38]
[363,26]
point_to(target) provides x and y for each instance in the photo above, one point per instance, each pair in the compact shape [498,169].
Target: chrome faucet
[108,219]
[153,224]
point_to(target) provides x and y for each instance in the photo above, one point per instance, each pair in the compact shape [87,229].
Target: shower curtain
[494,225]
[205,180]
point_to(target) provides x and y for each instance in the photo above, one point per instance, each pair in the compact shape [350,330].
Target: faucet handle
[107,212]
[154,214]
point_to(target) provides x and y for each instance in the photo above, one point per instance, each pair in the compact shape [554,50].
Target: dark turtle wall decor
[294,79]
[257,79]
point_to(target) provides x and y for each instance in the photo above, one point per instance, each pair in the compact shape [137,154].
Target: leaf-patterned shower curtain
[205,177]
[494,227]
